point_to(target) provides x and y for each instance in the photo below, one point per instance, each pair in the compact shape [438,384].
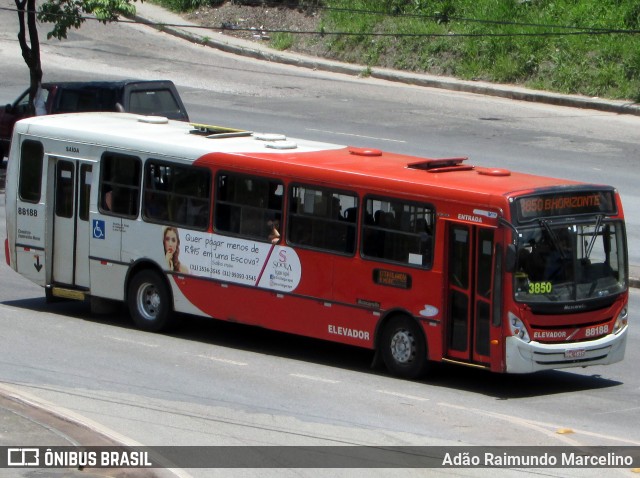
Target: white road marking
[403,395]
[129,341]
[314,378]
[221,360]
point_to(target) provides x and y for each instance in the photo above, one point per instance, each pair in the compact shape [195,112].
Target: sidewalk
[25,422]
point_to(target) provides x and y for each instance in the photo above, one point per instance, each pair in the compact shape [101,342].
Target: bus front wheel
[149,301]
[403,348]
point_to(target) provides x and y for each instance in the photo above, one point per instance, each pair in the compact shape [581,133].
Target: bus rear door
[470,295]
[71,225]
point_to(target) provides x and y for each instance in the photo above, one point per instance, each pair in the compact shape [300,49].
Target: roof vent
[269,137]
[442,165]
[153,119]
[281,145]
[493,171]
[365,151]
[275,141]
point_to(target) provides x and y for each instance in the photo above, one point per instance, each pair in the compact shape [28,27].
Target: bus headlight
[621,320]
[517,328]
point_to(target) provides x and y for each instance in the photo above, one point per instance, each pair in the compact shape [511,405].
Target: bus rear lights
[621,320]
[518,329]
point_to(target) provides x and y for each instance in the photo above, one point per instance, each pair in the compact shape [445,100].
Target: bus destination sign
[565,204]
[392,278]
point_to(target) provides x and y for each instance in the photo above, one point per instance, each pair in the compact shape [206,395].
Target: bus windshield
[570,262]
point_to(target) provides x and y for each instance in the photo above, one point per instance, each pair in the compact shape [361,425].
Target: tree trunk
[27,19]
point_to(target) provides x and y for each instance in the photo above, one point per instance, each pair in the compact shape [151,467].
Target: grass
[558,45]
[282,41]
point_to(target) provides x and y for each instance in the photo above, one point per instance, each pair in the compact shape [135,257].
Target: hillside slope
[590,47]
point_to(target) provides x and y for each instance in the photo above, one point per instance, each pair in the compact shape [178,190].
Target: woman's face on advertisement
[170,241]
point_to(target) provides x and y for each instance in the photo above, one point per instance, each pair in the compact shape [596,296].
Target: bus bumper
[523,357]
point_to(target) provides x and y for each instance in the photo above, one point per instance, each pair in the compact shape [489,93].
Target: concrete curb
[634,277]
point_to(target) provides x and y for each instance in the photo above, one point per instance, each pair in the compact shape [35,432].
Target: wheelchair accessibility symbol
[98,229]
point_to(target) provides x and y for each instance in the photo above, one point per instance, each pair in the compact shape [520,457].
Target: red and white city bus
[418,259]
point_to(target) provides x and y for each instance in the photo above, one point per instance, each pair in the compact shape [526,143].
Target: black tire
[149,301]
[403,348]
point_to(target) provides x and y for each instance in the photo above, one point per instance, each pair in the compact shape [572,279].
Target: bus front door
[470,289]
[71,226]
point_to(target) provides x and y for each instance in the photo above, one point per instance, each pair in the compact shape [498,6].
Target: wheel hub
[149,301]
[402,346]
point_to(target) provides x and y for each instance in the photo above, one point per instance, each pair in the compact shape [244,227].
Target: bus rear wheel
[403,348]
[149,301]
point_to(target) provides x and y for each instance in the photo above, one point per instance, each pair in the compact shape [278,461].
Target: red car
[158,98]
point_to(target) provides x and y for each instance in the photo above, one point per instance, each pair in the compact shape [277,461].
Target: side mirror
[8,108]
[511,258]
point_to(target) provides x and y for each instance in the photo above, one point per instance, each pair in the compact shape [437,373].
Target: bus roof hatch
[442,165]
[211,131]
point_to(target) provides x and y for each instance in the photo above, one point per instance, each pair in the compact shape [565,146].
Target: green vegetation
[588,47]
[282,41]
[187,5]
[569,46]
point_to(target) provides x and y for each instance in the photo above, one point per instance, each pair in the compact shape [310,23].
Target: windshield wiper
[592,242]
[554,239]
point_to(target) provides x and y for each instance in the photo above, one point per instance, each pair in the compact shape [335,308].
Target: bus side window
[120,185]
[399,232]
[176,194]
[31,160]
[85,191]
[323,219]
[247,205]
[64,197]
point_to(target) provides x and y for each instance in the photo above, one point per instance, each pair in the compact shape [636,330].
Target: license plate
[577,353]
